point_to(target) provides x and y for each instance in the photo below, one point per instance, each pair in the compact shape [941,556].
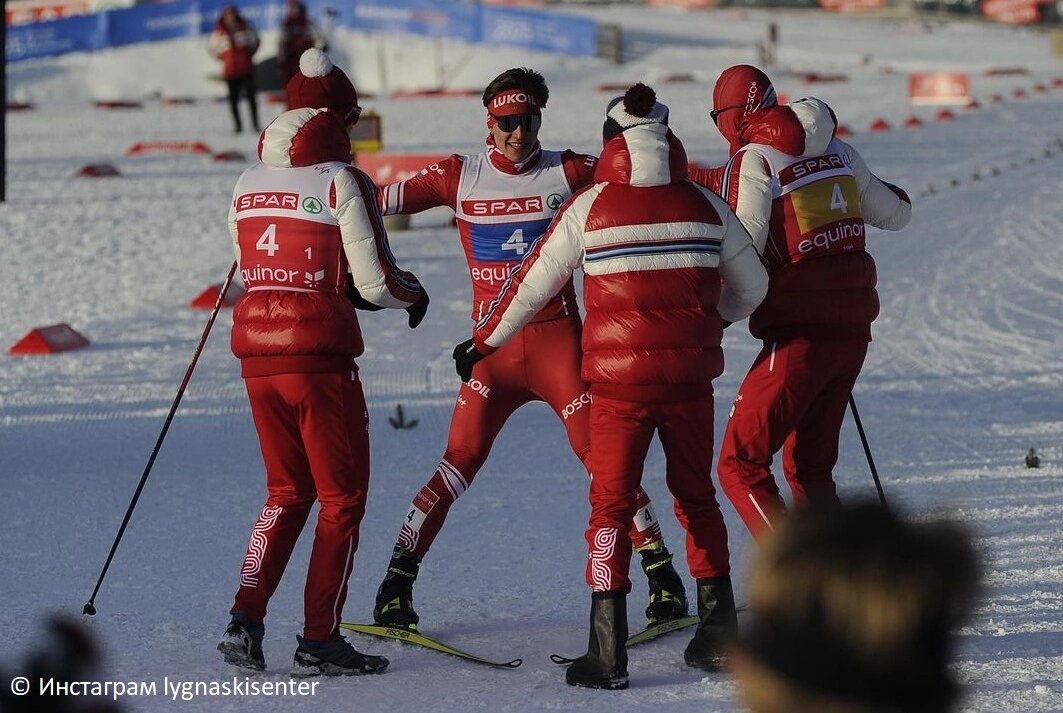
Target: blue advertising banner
[465,21]
[150,23]
[418,17]
[539,30]
[81,33]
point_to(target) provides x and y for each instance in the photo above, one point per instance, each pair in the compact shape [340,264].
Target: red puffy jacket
[806,197]
[300,219]
[652,246]
[235,47]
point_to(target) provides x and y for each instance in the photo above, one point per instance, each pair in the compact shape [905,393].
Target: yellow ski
[418,639]
[654,630]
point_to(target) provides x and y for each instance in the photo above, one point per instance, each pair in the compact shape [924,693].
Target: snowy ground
[963,376]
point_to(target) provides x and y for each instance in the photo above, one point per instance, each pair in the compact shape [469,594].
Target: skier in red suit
[234,42]
[309,241]
[664,263]
[503,200]
[297,34]
[806,198]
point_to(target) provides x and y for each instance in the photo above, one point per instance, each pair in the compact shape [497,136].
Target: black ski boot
[394,598]
[718,626]
[241,644]
[333,657]
[668,599]
[605,663]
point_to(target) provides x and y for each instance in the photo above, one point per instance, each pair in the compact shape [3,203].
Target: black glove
[726,324]
[465,357]
[417,310]
[356,298]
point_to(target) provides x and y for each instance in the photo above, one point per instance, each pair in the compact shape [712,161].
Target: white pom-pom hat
[319,84]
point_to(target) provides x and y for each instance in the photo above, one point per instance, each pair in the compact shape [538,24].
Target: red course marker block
[166,147]
[973,104]
[18,106]
[49,340]
[229,156]
[913,122]
[1058,82]
[208,297]
[843,131]
[1019,93]
[945,115]
[434,93]
[879,125]
[117,105]
[98,170]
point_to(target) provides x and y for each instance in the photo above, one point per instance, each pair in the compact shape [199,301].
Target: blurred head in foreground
[855,611]
[65,653]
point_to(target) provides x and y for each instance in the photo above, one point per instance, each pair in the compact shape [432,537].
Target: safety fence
[525,27]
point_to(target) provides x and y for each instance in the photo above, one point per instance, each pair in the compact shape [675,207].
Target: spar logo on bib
[312,205]
[524,205]
[267,199]
[554,201]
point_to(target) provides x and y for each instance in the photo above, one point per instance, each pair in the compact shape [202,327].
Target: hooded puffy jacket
[300,219]
[653,247]
[805,197]
[234,47]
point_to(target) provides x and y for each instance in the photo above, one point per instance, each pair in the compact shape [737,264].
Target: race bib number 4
[824,202]
[505,242]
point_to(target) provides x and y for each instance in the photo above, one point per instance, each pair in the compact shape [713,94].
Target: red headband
[513,101]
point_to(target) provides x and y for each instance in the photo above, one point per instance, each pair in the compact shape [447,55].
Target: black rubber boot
[333,657]
[605,663]
[394,598]
[717,628]
[668,599]
[241,644]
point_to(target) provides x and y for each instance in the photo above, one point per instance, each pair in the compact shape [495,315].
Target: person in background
[665,262]
[297,34]
[855,610]
[806,198]
[235,42]
[309,241]
[503,199]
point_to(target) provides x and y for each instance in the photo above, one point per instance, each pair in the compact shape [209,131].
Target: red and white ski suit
[805,198]
[653,247]
[501,210]
[300,219]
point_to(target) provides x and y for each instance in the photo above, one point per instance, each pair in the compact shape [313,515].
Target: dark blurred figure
[855,611]
[297,35]
[69,655]
[235,42]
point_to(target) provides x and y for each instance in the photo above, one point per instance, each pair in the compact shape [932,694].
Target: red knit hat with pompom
[319,84]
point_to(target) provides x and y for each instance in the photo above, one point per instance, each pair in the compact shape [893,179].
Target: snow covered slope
[962,378]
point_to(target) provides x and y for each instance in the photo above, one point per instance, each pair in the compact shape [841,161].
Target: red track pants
[314,433]
[540,363]
[621,432]
[793,398]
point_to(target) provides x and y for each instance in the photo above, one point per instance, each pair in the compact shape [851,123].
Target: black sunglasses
[715,113]
[528,122]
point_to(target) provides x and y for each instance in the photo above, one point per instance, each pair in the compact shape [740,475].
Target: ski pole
[867,452]
[90,608]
